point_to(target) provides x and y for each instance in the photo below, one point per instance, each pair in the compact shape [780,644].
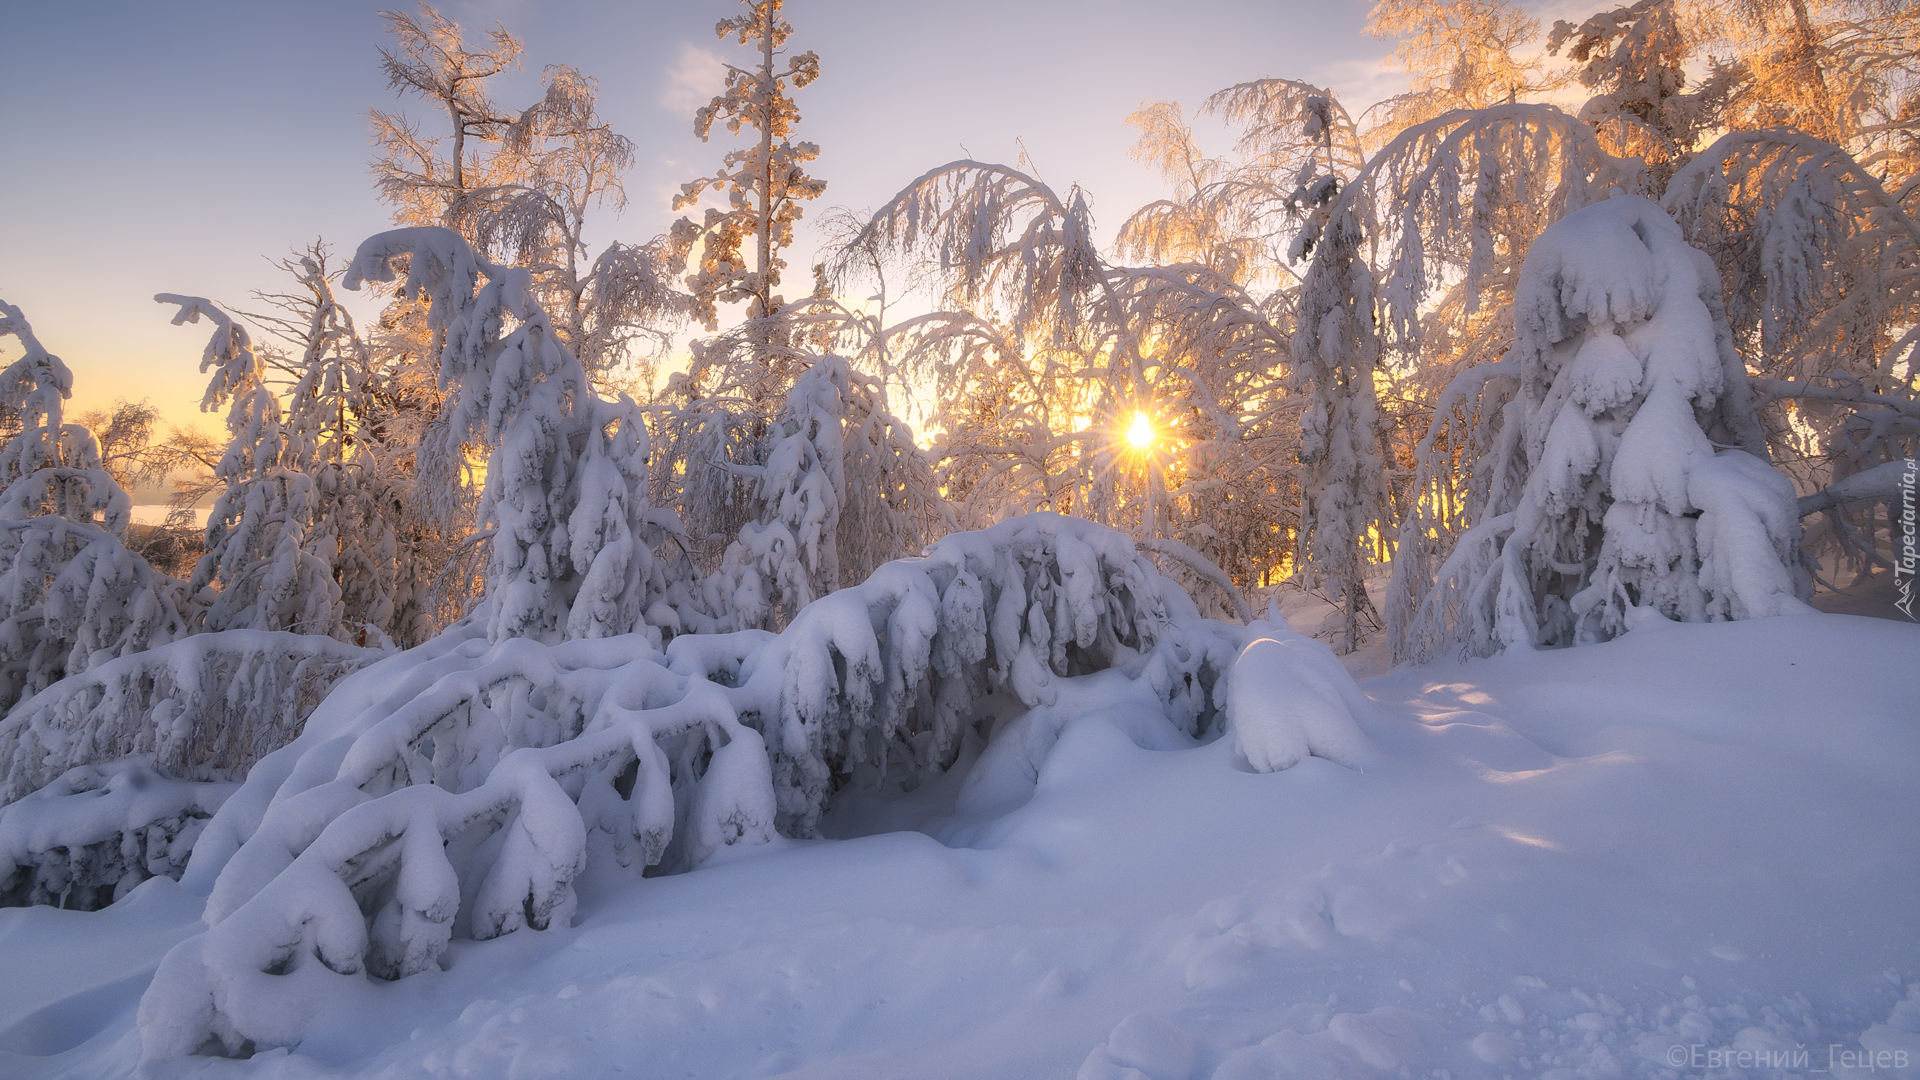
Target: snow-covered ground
[1689,849]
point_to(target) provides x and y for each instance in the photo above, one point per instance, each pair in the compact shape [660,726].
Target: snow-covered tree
[261,550]
[1630,478]
[1296,151]
[1437,219]
[842,490]
[519,187]
[430,57]
[137,455]
[764,183]
[204,706]
[839,486]
[1634,58]
[1460,54]
[564,506]
[1344,480]
[128,449]
[722,410]
[704,428]
[333,414]
[1821,263]
[107,776]
[565,160]
[61,460]
[71,595]
[1210,217]
[1045,356]
[1023,285]
[1843,71]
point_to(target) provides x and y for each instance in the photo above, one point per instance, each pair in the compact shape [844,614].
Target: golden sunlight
[1140,432]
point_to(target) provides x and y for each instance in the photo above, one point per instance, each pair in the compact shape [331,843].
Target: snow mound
[1285,701]
[1142,1047]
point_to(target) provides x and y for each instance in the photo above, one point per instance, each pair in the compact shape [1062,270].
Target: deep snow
[1696,840]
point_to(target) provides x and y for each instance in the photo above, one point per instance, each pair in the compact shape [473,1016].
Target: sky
[183,147]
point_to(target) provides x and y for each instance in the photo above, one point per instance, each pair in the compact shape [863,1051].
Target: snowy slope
[1694,840]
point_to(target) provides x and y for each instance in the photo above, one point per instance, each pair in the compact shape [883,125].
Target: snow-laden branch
[1883,481]
[1205,570]
[207,705]
[1816,254]
[997,235]
[1851,394]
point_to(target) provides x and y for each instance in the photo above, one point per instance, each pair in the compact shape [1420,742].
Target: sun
[1140,432]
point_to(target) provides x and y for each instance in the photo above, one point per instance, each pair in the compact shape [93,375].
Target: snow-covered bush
[97,831]
[459,788]
[1631,476]
[107,775]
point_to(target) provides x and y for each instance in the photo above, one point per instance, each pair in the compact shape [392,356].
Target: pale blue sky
[175,148]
